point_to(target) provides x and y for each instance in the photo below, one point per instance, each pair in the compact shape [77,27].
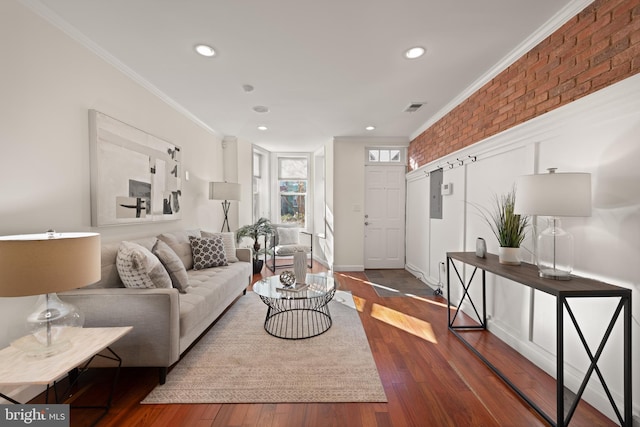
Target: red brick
[562,88]
[593,72]
[612,76]
[548,105]
[626,56]
[576,92]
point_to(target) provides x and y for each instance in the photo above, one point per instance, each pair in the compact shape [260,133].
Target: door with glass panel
[384,215]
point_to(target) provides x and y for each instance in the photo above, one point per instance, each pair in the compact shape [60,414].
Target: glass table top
[317,285]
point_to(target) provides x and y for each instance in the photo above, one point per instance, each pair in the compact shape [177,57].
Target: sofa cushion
[229,241]
[139,268]
[173,264]
[207,252]
[179,242]
[289,250]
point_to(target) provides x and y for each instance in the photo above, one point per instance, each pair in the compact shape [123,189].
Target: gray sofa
[165,321]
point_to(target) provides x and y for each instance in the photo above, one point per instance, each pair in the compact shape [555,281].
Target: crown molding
[559,19]
[41,10]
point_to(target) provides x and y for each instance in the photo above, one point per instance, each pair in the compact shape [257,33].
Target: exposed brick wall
[598,47]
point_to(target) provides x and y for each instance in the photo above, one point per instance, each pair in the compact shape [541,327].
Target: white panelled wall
[598,134]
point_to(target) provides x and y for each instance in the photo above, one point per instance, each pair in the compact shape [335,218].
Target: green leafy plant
[508,227]
[262,227]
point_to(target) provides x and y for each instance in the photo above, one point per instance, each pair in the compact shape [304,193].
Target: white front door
[384,217]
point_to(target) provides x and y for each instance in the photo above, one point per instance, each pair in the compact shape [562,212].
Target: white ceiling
[324,68]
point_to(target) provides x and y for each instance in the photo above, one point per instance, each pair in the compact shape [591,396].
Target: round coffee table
[297,314]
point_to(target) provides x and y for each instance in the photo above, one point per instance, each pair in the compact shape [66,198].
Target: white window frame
[277,215]
[401,161]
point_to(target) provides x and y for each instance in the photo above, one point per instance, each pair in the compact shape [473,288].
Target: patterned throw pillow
[207,252]
[139,268]
[173,264]
[229,241]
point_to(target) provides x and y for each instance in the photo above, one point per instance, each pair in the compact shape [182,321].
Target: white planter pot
[509,256]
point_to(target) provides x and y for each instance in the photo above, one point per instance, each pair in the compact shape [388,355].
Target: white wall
[598,134]
[49,82]
[348,197]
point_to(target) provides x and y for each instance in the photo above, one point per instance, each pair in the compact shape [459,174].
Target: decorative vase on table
[509,256]
[300,266]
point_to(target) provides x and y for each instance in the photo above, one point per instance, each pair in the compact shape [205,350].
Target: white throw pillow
[139,268]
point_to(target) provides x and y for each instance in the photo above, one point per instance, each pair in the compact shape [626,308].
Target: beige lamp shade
[224,191]
[35,264]
[554,194]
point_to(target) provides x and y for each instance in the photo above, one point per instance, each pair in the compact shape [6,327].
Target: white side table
[16,368]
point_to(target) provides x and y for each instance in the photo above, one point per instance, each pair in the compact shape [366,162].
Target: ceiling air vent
[413,107]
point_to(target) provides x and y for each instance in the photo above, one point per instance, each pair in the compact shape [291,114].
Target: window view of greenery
[293,174]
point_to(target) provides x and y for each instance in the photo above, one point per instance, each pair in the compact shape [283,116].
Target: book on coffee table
[295,288]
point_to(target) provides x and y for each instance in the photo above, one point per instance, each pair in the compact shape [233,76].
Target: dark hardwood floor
[430,378]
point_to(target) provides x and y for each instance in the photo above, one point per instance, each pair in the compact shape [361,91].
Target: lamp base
[29,345]
[48,325]
[550,273]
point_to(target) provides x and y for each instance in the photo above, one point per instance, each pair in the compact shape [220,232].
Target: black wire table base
[298,318]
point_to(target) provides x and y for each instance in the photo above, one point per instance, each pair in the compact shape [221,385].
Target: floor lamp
[224,191]
[554,195]
[43,264]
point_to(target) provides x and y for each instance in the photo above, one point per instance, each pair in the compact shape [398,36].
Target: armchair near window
[285,241]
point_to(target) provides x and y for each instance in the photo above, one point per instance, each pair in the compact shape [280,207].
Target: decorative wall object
[135,176]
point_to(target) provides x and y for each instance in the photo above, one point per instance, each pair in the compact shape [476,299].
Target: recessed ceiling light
[262,128]
[414,52]
[260,109]
[205,50]
[370,128]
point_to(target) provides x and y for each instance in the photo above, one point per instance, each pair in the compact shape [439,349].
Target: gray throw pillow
[139,268]
[179,242]
[173,264]
[207,252]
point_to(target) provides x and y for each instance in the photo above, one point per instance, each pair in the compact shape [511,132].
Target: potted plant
[254,231]
[508,227]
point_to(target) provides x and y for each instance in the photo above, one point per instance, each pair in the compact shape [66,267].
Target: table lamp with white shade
[554,195]
[224,191]
[43,264]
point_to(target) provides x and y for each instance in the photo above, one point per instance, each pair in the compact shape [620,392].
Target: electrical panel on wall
[435,191]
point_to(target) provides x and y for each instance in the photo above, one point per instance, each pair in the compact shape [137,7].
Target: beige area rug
[237,361]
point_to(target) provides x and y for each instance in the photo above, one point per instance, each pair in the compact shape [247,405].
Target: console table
[577,287]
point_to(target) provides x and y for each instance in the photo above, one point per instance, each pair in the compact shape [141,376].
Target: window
[260,172]
[292,182]
[384,155]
